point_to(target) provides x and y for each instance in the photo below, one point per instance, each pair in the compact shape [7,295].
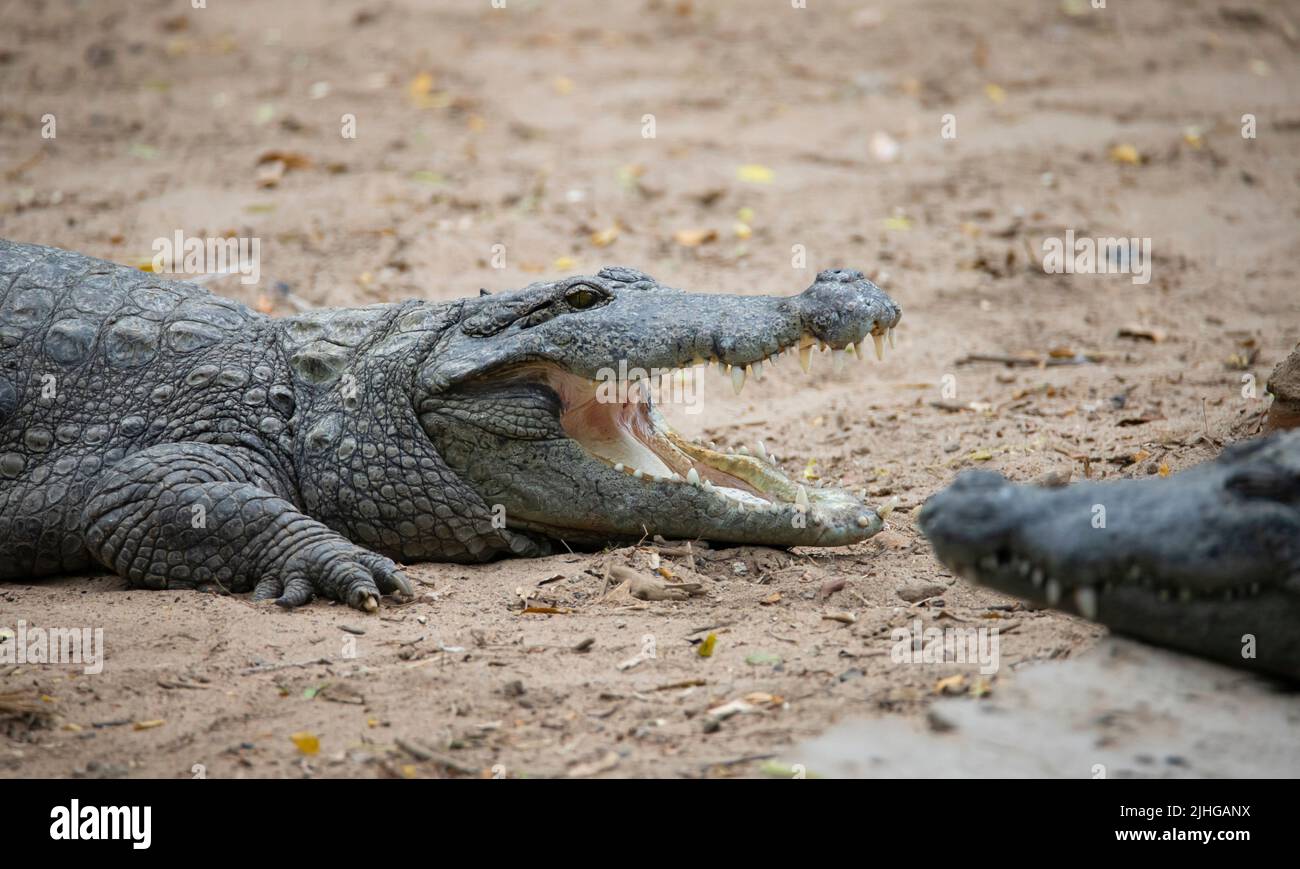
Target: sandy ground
[523,127]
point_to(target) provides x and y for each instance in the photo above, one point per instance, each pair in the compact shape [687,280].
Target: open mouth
[617,423]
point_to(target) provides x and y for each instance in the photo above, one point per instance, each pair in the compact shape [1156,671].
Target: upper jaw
[1168,542]
[659,328]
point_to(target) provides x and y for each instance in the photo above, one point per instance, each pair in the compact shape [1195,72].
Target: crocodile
[182,440]
[1206,561]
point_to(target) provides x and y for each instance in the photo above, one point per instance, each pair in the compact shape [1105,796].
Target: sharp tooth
[693,477]
[805,358]
[891,339]
[743,450]
[1085,599]
[1036,578]
[636,472]
[771,457]
[708,484]
[760,450]
[1024,567]
[619,467]
[852,348]
[737,379]
[879,341]
[758,369]
[838,357]
[801,499]
[1053,592]
[806,340]
[713,445]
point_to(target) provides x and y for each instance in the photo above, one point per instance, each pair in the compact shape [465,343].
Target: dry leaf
[1143,333]
[421,86]
[290,159]
[1127,154]
[694,237]
[605,763]
[306,741]
[755,173]
[951,685]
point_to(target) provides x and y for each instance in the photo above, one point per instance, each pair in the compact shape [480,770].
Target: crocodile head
[1206,561]
[541,399]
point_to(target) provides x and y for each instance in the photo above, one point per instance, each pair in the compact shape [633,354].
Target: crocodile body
[1206,561]
[181,439]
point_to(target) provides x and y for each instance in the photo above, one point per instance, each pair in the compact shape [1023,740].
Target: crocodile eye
[581,298]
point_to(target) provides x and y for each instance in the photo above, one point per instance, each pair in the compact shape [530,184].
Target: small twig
[737,761]
[267,668]
[167,683]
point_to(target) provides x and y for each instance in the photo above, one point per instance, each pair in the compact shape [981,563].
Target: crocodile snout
[976,512]
[842,307]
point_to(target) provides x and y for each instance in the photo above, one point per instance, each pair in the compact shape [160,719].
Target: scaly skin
[184,441]
[1206,561]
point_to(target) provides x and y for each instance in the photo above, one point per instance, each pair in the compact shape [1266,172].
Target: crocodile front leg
[205,516]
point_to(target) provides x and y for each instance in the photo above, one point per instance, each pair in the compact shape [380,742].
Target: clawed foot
[341,572]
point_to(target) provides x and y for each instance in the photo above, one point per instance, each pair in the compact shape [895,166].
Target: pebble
[915,591]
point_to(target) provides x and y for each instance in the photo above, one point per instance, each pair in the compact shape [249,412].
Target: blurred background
[699,140]
[384,150]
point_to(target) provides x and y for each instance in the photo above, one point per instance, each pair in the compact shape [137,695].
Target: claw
[269,588]
[370,604]
[393,582]
[297,591]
